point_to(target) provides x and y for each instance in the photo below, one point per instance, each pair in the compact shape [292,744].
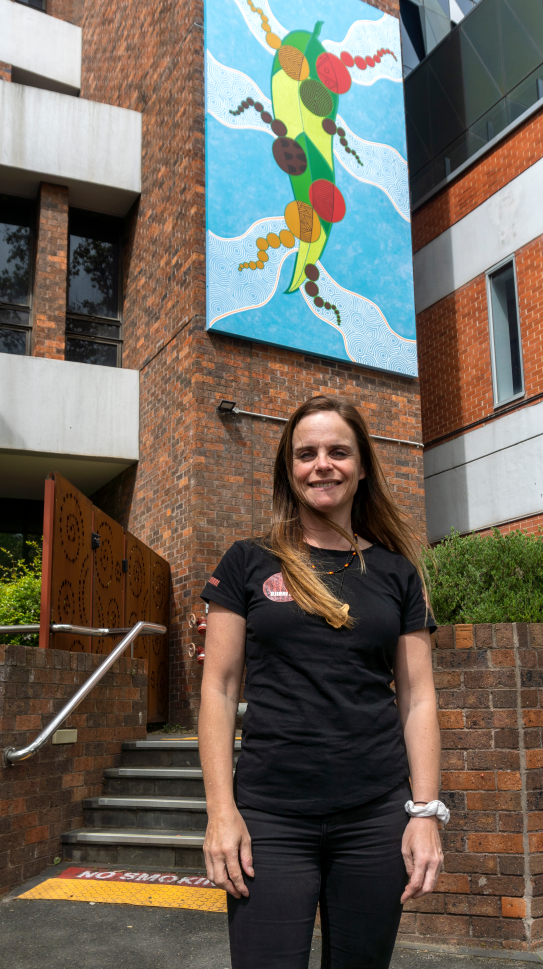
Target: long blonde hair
[374,516]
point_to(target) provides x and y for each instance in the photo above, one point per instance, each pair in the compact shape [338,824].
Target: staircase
[152,812]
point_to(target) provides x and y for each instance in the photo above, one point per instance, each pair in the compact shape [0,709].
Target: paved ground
[63,935]
[53,933]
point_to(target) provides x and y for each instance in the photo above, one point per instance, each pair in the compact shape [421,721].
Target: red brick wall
[70,10]
[489,682]
[48,332]
[532,526]
[203,480]
[510,157]
[454,348]
[42,797]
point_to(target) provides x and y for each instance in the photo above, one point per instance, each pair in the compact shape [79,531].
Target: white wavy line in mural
[367,335]
[364,38]
[254,22]
[384,167]
[225,89]
[230,291]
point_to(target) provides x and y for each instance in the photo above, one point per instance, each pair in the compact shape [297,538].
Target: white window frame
[489,273]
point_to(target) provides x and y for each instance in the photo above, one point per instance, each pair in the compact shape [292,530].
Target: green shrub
[498,578]
[20,590]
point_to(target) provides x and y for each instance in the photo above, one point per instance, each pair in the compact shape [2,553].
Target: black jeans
[350,861]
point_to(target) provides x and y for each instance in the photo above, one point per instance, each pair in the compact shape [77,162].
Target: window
[37,4]
[505,333]
[93,319]
[17,218]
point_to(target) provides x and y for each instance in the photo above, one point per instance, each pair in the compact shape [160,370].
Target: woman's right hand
[227,843]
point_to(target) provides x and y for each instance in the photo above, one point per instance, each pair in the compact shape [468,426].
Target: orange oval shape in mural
[303,221]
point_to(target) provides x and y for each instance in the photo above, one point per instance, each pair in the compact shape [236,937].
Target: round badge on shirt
[275,589]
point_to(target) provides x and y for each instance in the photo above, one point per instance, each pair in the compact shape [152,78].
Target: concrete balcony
[93,148]
[43,51]
[80,420]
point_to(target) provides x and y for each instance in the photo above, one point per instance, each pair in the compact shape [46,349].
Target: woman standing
[325,611]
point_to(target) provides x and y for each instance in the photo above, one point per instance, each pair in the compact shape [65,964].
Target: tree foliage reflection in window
[14,263]
[93,277]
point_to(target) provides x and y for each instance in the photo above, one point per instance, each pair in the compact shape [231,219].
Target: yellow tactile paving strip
[126,893]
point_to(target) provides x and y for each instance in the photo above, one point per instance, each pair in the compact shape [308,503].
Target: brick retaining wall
[42,797]
[489,680]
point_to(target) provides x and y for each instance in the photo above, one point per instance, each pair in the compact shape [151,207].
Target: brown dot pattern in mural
[312,290]
[331,129]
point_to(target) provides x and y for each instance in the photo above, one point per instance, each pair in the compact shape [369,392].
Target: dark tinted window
[37,4]
[93,287]
[12,341]
[17,218]
[88,351]
[505,334]
[94,305]
[478,80]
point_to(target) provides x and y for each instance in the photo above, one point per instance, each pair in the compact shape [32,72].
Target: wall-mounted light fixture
[227,407]
[230,407]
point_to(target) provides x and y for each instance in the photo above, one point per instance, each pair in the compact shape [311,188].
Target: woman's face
[326,462]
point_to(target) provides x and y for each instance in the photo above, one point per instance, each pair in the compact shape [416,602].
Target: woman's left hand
[423,857]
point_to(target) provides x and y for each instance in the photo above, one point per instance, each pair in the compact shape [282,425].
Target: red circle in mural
[347,58]
[327,200]
[370,62]
[275,589]
[333,73]
[360,63]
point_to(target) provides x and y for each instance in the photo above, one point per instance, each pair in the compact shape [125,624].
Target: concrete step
[138,846]
[165,752]
[154,782]
[146,813]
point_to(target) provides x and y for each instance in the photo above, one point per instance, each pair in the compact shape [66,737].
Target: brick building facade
[483,456]
[203,479]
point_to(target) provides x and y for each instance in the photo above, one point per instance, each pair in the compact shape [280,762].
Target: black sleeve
[227,584]
[415,613]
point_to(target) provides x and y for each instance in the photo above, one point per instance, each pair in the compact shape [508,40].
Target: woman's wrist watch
[428,809]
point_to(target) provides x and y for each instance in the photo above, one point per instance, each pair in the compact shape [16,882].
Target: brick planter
[42,797]
[489,680]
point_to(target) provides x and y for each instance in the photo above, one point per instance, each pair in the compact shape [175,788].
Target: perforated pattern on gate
[87,586]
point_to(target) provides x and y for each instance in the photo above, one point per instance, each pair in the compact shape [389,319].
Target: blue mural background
[366,267]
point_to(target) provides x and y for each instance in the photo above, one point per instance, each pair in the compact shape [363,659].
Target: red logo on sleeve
[214,581]
[275,589]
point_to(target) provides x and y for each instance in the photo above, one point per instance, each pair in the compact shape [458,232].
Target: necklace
[347,563]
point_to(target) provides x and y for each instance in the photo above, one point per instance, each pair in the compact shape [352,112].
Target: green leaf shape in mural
[302,103]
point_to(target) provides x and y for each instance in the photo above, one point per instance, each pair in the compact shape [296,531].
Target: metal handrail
[12,755]
[66,628]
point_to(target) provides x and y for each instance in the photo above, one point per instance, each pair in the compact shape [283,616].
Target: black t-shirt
[322,732]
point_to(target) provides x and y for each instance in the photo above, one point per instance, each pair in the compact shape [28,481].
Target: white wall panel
[47,48]
[489,475]
[62,408]
[93,148]
[508,220]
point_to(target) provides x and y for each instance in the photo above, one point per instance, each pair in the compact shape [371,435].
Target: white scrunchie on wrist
[433,808]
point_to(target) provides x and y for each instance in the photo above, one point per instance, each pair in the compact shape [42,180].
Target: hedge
[20,589]
[496,578]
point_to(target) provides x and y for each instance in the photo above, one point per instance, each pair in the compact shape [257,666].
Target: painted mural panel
[307,202]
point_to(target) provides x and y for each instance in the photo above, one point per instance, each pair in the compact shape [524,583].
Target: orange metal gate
[96,574]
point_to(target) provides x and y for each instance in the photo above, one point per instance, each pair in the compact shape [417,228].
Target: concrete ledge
[93,148]
[78,419]
[44,48]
